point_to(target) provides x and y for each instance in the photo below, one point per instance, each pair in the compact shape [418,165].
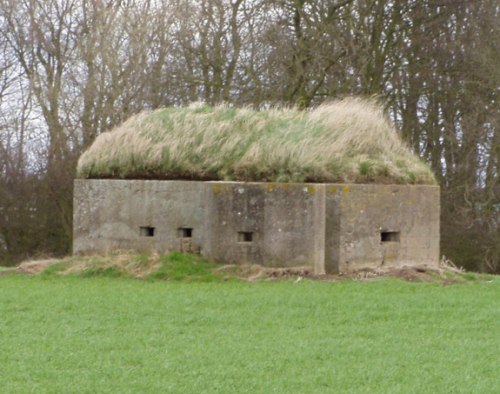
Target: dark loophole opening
[147,231]
[185,232]
[245,236]
[389,236]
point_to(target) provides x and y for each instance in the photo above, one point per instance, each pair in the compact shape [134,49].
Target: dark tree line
[71,69]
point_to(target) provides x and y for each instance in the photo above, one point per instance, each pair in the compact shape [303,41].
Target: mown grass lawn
[99,335]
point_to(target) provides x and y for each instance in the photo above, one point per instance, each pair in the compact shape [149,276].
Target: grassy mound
[344,141]
[120,264]
[177,266]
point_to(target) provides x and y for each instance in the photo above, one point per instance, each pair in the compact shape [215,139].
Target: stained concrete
[109,214]
[368,211]
[280,217]
[329,227]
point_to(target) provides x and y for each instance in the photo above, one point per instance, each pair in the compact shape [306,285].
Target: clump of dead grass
[116,263]
[343,141]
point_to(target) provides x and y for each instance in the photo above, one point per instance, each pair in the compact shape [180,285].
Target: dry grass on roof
[344,141]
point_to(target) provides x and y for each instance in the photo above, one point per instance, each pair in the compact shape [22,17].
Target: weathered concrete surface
[368,211]
[108,214]
[282,219]
[329,227]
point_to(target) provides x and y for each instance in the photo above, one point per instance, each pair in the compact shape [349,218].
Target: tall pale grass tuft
[343,141]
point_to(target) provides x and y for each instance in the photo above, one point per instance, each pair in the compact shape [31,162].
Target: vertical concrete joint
[319,230]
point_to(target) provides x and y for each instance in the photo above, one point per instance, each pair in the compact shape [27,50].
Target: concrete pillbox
[329,227]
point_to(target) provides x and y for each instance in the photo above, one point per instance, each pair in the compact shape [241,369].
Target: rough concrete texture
[279,220]
[109,214]
[330,227]
[388,225]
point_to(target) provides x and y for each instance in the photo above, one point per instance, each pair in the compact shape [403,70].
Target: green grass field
[116,335]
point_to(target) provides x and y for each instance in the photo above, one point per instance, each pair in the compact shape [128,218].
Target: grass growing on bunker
[343,141]
[101,334]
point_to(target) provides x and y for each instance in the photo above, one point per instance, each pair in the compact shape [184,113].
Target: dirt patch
[255,272]
[410,274]
[445,273]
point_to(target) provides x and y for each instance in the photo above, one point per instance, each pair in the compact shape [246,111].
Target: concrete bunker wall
[329,227]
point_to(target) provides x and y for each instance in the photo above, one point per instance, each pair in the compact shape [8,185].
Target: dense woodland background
[72,69]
